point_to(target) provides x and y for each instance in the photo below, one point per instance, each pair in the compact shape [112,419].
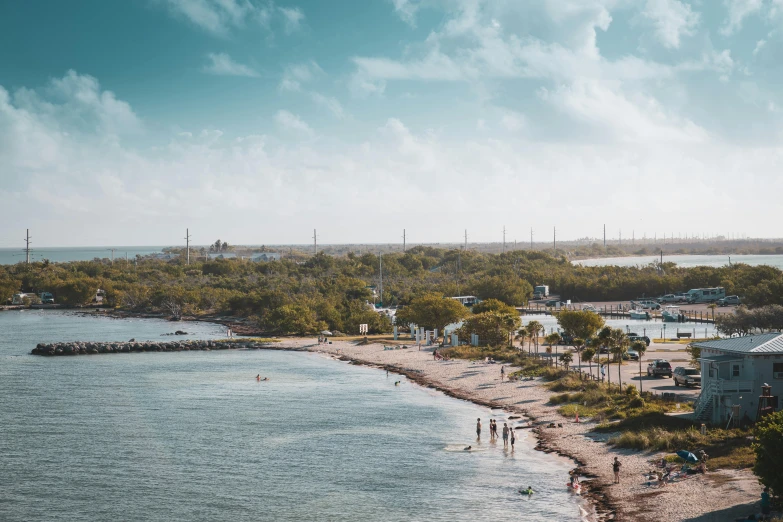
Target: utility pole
[633,237]
[620,237]
[466,239]
[604,235]
[27,246]
[531,238]
[380,261]
[315,243]
[187,246]
[403,240]
[112,254]
[504,238]
[554,239]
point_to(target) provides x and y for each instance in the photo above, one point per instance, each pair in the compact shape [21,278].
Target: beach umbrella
[687,456]
[326,332]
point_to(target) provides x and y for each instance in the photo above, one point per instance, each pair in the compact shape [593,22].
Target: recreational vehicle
[706,295]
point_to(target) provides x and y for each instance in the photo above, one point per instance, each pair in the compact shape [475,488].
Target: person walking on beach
[603,372]
[616,468]
[478,428]
[513,438]
[505,434]
[765,501]
[502,373]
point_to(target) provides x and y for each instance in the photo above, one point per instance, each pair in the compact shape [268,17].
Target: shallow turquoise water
[686,261]
[193,436]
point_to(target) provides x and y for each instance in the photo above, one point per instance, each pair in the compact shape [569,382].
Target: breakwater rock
[86,348]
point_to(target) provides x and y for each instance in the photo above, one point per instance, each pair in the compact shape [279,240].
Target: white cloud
[759,46]
[293,17]
[738,10]
[638,119]
[330,103]
[673,19]
[293,123]
[296,75]
[513,121]
[406,10]
[221,64]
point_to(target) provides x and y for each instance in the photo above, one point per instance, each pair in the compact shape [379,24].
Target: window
[735,370]
[777,370]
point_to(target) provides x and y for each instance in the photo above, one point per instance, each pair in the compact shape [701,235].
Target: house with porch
[733,372]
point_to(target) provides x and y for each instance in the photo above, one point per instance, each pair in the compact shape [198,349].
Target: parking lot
[629,370]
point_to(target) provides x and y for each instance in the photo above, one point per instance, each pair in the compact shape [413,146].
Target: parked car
[47,298]
[554,302]
[682,297]
[729,300]
[636,337]
[668,298]
[646,304]
[659,367]
[687,376]
[631,355]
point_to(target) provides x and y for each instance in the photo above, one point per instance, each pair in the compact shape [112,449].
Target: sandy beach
[718,496]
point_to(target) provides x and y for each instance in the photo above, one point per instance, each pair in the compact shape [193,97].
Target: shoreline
[718,496]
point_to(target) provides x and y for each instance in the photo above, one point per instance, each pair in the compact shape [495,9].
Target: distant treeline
[325,292]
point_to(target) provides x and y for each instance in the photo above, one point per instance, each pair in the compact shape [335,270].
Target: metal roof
[751,344]
[722,358]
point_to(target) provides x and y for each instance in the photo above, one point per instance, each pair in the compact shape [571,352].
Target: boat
[670,314]
[638,313]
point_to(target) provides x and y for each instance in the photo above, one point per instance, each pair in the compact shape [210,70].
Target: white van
[646,304]
[706,295]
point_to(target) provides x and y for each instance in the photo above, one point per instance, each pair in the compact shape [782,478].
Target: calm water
[686,260]
[652,329]
[192,436]
[10,256]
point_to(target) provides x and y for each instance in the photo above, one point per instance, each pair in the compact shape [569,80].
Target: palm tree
[534,328]
[587,356]
[619,346]
[603,338]
[639,347]
[567,358]
[595,344]
[521,336]
[553,338]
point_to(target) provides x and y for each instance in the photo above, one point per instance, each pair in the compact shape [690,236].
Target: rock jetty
[86,348]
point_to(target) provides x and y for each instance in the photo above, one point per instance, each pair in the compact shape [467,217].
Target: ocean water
[11,256]
[686,261]
[192,436]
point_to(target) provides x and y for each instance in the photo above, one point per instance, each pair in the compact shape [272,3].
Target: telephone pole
[403,240]
[112,254]
[380,260]
[604,235]
[315,243]
[554,239]
[531,238]
[187,246]
[466,239]
[27,246]
[504,238]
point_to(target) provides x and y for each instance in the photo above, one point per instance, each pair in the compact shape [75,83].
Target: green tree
[587,356]
[509,289]
[579,324]
[769,451]
[567,358]
[695,353]
[493,305]
[639,347]
[619,343]
[604,339]
[534,329]
[432,311]
[521,335]
[493,328]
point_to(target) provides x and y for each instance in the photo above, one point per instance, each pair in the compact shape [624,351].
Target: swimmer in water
[529,490]
[265,379]
[258,377]
[468,448]
[397,383]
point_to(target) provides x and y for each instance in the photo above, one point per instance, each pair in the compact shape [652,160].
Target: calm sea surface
[10,256]
[686,260]
[192,436]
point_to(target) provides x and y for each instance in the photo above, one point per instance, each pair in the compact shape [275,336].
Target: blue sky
[256,121]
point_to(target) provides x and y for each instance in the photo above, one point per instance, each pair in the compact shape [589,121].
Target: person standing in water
[478,428]
[513,438]
[505,434]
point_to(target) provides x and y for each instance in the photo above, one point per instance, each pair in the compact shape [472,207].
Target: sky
[257,121]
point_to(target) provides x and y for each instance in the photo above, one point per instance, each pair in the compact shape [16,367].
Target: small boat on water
[638,313]
[670,314]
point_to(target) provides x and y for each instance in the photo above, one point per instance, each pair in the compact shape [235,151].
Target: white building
[732,373]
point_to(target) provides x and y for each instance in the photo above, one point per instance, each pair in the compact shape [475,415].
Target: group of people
[508,432]
[260,379]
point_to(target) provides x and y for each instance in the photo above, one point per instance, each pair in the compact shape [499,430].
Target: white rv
[706,295]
